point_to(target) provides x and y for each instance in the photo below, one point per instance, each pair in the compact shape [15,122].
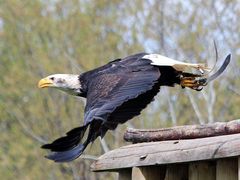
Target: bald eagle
[118,91]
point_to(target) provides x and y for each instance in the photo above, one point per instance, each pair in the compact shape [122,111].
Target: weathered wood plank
[182,132]
[166,152]
[125,174]
[227,169]
[177,172]
[203,170]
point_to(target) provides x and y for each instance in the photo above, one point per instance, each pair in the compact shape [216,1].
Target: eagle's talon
[199,88]
[202,82]
[193,83]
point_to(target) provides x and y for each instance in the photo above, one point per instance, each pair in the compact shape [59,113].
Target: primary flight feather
[118,91]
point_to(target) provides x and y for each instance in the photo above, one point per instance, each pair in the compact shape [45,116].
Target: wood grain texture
[168,152]
[182,132]
[177,172]
[125,174]
[203,170]
[238,168]
[227,169]
[153,172]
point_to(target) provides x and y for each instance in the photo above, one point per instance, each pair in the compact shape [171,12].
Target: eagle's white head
[68,83]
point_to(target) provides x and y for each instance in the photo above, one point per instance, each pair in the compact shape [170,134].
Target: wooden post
[202,170]
[238,167]
[153,172]
[177,172]
[137,174]
[227,169]
[125,174]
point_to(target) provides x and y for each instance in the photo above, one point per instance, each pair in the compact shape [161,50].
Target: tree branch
[182,132]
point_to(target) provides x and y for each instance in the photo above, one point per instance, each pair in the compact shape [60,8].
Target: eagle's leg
[193,83]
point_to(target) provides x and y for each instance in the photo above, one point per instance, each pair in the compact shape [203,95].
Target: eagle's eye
[52,78]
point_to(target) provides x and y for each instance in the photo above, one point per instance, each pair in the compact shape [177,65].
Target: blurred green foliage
[40,37]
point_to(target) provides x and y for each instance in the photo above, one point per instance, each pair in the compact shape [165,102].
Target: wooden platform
[211,158]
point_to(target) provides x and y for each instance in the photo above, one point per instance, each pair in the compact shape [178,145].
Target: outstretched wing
[121,93]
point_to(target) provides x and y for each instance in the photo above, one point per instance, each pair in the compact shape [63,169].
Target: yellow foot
[193,83]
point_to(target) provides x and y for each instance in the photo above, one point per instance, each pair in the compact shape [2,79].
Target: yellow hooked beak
[43,83]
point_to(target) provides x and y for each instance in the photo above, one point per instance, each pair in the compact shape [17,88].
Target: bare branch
[195,107]
[104,145]
[88,157]
[182,132]
[27,130]
[210,103]
[74,171]
[231,88]
[171,108]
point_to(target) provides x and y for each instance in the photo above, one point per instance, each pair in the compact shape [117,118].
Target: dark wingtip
[46,146]
[227,61]
[67,142]
[228,57]
[66,156]
[221,70]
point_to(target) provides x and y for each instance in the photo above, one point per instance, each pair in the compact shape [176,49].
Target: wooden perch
[182,132]
[151,154]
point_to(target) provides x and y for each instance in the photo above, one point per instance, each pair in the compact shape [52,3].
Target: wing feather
[121,87]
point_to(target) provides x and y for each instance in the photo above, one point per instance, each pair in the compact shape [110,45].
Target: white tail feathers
[159,60]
